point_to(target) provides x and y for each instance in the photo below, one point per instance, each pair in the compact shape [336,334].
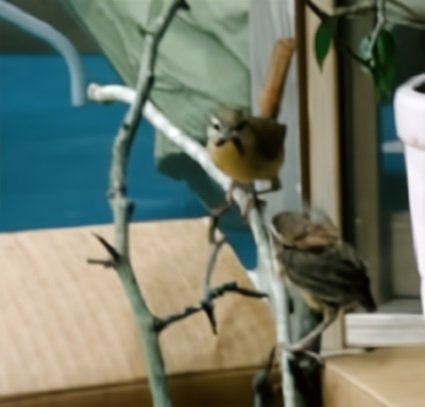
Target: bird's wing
[275,133]
[334,276]
[315,237]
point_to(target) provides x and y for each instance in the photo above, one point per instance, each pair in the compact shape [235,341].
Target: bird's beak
[226,136]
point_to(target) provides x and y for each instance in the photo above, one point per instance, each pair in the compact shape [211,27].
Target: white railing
[57,40]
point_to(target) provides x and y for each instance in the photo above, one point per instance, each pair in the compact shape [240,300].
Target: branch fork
[122,208]
[268,268]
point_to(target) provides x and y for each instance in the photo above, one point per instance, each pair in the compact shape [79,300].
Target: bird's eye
[240,126]
[216,126]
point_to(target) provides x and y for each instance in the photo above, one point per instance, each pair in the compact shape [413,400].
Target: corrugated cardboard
[66,330]
[381,378]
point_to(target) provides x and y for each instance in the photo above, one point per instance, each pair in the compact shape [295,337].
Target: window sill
[385,377]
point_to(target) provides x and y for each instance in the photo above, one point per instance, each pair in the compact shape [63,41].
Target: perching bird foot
[275,185]
[215,214]
[326,354]
[297,347]
[303,344]
[252,202]
[320,358]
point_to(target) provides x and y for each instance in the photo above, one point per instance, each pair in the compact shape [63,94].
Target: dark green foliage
[378,58]
[382,63]
[323,38]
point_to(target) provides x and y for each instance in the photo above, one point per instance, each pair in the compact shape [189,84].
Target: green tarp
[203,62]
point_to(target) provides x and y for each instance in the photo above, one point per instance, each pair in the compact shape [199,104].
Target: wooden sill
[385,377]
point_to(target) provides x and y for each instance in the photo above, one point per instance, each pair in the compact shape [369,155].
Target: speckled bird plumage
[328,271]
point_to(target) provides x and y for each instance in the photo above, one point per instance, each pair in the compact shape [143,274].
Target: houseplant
[376,54]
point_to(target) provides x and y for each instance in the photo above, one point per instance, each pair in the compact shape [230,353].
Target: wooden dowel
[272,91]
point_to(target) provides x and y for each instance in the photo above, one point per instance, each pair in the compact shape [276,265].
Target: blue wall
[392,163]
[54,159]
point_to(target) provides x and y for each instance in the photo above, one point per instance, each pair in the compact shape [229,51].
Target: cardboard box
[382,378]
[67,335]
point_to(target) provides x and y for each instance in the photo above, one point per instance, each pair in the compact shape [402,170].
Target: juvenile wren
[329,274]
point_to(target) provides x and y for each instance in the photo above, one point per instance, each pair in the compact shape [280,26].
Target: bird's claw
[297,348]
[215,214]
[253,201]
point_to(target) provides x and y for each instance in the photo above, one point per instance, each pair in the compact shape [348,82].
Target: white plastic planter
[410,124]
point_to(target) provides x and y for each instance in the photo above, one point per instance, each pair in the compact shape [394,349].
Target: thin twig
[213,294]
[316,9]
[115,256]
[346,48]
[357,8]
[211,263]
[342,11]
[413,21]
[107,263]
[207,301]
[127,131]
[162,323]
[210,294]
[379,25]
[122,208]
[407,22]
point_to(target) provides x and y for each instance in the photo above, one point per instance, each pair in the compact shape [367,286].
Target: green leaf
[385,63]
[381,62]
[323,39]
[386,52]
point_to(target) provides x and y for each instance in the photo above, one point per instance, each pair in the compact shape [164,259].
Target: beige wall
[51,11]
[323,126]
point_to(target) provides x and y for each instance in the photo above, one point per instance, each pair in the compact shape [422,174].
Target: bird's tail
[368,303]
